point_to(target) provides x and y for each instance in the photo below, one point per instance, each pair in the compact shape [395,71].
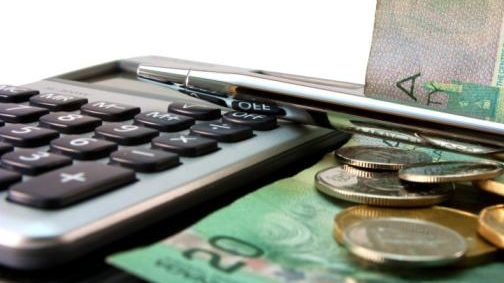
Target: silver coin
[380,189]
[459,146]
[389,133]
[450,171]
[376,157]
[404,241]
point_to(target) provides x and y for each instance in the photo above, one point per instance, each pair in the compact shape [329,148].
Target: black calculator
[92,155]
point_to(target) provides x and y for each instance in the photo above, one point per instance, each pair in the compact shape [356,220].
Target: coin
[466,224]
[495,186]
[381,189]
[383,158]
[404,241]
[459,146]
[491,224]
[450,171]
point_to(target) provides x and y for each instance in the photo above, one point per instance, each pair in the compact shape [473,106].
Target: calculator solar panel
[92,155]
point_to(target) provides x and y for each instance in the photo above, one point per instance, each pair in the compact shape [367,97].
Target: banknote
[281,233]
[420,45]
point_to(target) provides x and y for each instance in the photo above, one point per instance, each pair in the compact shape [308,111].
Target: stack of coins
[399,225]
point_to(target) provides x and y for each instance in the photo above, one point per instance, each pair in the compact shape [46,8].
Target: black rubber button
[110,111]
[144,160]
[195,111]
[165,122]
[69,185]
[34,162]
[223,132]
[19,113]
[259,122]
[186,145]
[27,136]
[5,147]
[83,148]
[10,93]
[69,123]
[8,178]
[58,102]
[126,134]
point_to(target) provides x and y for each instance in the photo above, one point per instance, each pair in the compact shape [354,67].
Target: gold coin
[491,224]
[450,171]
[383,158]
[400,241]
[466,224]
[495,186]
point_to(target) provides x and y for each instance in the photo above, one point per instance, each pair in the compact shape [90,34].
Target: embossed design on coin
[450,171]
[404,241]
[384,158]
[464,223]
[491,224]
[382,189]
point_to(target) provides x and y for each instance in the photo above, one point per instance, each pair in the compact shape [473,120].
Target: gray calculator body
[32,238]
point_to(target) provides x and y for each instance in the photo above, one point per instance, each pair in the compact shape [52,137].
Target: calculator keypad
[5,147]
[58,102]
[144,160]
[110,111]
[19,113]
[34,162]
[126,134]
[198,112]
[73,183]
[223,132]
[259,122]
[69,123]
[83,148]
[186,145]
[165,122]
[8,178]
[27,136]
[101,129]
[10,93]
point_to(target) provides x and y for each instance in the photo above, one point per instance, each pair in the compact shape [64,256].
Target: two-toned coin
[404,242]
[381,189]
[491,225]
[450,171]
[380,158]
[464,223]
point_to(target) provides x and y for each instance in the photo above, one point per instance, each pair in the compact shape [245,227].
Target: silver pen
[329,104]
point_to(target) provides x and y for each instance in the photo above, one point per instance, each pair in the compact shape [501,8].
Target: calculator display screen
[125,81]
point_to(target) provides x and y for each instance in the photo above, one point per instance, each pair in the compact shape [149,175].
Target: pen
[329,104]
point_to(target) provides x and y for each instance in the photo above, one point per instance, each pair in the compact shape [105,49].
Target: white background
[328,39]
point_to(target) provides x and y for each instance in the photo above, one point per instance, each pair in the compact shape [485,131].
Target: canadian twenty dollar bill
[280,233]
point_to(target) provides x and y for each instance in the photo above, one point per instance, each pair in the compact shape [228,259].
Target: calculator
[92,155]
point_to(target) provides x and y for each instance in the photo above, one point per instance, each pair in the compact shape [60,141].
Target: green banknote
[416,43]
[279,233]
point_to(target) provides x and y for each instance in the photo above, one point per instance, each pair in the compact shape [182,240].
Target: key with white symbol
[222,132]
[197,112]
[185,145]
[163,121]
[70,184]
[144,160]
[10,93]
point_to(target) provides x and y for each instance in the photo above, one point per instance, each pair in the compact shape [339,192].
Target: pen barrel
[339,107]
